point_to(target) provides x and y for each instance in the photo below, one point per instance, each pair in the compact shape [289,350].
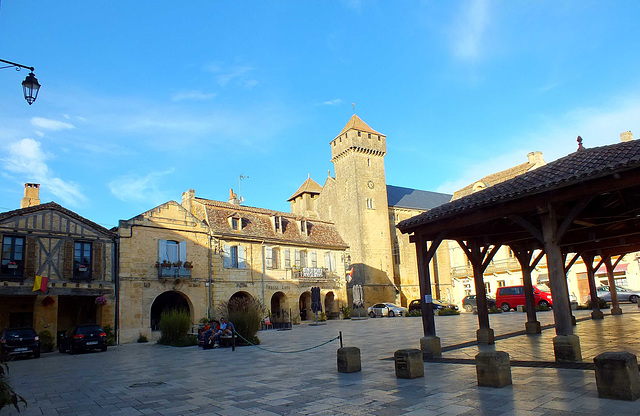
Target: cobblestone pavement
[139,379]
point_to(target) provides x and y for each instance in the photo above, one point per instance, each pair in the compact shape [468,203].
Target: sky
[141,101]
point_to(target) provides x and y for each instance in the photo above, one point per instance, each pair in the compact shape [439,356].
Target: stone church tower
[356,201]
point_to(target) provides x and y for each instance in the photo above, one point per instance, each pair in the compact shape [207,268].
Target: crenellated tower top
[357,136]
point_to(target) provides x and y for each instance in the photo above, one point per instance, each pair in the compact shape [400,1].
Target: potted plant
[177,263]
[187,265]
[101,300]
[166,264]
[82,268]
[12,265]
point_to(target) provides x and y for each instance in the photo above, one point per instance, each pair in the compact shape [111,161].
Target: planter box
[174,272]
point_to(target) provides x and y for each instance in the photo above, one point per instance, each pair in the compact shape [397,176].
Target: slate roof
[256,225]
[53,206]
[309,186]
[401,197]
[356,123]
[572,169]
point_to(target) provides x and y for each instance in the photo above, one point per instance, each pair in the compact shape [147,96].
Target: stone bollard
[617,375]
[349,360]
[493,369]
[520,308]
[409,363]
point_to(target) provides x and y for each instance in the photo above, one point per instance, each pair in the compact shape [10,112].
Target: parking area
[139,379]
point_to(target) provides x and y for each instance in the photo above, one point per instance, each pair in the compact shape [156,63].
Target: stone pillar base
[349,360]
[520,308]
[573,320]
[430,347]
[597,315]
[533,327]
[617,375]
[616,311]
[567,348]
[409,363]
[493,369]
[485,336]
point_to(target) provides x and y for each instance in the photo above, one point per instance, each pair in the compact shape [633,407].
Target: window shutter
[96,267]
[297,258]
[183,251]
[162,251]
[242,261]
[226,256]
[314,259]
[268,256]
[332,262]
[31,260]
[327,260]
[287,258]
[67,266]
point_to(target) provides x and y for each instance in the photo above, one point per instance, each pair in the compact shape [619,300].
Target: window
[314,259]
[12,255]
[277,224]
[301,258]
[172,251]
[396,254]
[487,287]
[368,135]
[303,226]
[271,257]
[287,258]
[330,261]
[359,134]
[501,283]
[233,257]
[235,224]
[81,260]
[370,203]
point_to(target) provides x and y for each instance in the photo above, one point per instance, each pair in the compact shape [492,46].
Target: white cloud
[192,95]
[469,32]
[335,101]
[225,76]
[49,124]
[26,158]
[133,188]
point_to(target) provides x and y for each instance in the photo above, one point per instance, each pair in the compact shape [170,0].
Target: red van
[509,297]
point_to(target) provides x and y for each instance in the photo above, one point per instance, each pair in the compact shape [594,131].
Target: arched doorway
[305,306]
[330,306]
[167,301]
[240,295]
[279,311]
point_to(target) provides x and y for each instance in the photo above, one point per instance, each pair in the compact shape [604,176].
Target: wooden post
[430,343]
[596,313]
[532,326]
[615,305]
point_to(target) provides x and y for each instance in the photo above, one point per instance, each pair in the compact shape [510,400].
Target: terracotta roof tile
[569,170]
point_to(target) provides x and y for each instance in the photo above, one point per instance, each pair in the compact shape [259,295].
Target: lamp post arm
[30,68]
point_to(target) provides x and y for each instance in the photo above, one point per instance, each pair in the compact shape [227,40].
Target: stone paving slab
[146,379]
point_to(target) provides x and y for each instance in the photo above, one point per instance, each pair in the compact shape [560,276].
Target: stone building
[365,210]
[72,257]
[200,253]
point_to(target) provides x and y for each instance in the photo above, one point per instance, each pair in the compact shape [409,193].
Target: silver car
[386,309]
[624,294]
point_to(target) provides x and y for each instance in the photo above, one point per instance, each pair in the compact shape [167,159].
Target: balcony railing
[174,272]
[497,266]
[313,273]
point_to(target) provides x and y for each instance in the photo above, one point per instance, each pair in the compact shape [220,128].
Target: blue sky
[141,101]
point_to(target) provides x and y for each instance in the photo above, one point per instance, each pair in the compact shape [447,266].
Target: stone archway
[304,304]
[240,295]
[167,301]
[279,311]
[331,306]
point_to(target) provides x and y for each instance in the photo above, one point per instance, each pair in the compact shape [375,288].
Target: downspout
[210,283]
[116,275]
[263,270]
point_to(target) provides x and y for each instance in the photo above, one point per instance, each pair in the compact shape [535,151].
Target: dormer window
[303,226]
[276,220]
[235,222]
[369,135]
[359,133]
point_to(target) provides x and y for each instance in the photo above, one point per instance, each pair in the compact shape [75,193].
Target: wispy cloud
[192,95]
[49,124]
[236,74]
[468,35]
[135,188]
[335,101]
[26,158]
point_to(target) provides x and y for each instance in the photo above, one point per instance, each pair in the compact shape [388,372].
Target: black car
[82,338]
[469,302]
[437,304]
[20,341]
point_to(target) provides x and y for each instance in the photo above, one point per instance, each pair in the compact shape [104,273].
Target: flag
[40,283]
[349,275]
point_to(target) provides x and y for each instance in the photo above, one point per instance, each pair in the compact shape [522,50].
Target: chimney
[535,159]
[233,198]
[626,136]
[31,195]
[187,198]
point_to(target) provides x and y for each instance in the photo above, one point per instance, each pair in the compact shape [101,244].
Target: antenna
[240,178]
[354,107]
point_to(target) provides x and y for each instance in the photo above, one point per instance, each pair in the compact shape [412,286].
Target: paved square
[146,379]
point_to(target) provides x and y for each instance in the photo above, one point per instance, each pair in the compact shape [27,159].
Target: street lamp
[30,85]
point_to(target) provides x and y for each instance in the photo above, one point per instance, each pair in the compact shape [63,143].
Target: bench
[228,341]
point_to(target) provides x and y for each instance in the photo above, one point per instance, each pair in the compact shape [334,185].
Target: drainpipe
[263,270]
[116,276]
[210,283]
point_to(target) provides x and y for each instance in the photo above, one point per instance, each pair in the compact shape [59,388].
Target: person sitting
[208,337]
[225,328]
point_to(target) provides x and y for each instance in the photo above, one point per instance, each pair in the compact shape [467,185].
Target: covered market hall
[585,205]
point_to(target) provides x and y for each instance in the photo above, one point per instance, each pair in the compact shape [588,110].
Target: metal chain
[287,352]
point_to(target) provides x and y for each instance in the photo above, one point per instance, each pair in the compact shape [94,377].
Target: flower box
[12,266]
[82,268]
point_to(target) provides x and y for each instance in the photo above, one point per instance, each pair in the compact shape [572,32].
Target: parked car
[386,309]
[83,337]
[624,294]
[469,302]
[20,341]
[437,304]
[510,297]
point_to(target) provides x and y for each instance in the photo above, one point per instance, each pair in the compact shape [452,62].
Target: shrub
[602,303]
[542,308]
[142,339]
[322,317]
[111,336]
[174,325]
[46,340]
[186,341]
[493,309]
[447,311]
[415,312]
[346,312]
[7,395]
[245,314]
